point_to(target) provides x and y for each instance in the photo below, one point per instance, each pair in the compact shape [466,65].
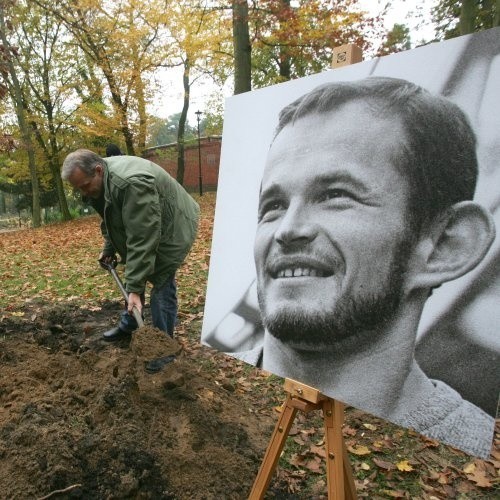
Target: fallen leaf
[299,441]
[359,450]
[470,468]
[465,487]
[443,479]
[449,491]
[430,443]
[349,431]
[479,477]
[314,465]
[318,450]
[395,493]
[296,460]
[383,464]
[308,432]
[404,466]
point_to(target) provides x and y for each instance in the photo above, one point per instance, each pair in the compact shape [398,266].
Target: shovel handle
[135,312]
[138,317]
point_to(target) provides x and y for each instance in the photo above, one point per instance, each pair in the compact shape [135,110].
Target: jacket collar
[105,184]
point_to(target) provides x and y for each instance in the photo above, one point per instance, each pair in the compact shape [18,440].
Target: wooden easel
[340,481]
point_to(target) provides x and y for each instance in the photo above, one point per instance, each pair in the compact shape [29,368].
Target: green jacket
[149,220]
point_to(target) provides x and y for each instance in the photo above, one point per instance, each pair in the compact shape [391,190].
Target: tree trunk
[242,48]
[17,97]
[52,154]
[121,110]
[468,15]
[182,125]
[285,66]
[141,101]
[143,119]
[55,163]
[61,195]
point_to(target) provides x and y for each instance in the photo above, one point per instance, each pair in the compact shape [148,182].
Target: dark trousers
[163,309]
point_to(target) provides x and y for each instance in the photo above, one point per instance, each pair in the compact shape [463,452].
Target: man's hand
[134,300]
[107,259]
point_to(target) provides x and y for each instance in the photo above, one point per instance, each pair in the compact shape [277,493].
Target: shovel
[111,268]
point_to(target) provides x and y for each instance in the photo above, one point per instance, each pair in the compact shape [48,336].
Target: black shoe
[115,334]
[155,365]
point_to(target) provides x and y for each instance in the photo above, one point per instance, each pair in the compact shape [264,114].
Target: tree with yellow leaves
[13,84]
[125,42]
[198,42]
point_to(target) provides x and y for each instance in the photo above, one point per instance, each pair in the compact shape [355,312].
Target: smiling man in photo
[365,207]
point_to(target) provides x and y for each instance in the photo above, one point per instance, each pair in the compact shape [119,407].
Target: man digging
[149,220]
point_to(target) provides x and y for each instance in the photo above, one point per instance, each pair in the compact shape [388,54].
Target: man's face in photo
[333,236]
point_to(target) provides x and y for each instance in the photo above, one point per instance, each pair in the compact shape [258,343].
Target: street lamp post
[198,114]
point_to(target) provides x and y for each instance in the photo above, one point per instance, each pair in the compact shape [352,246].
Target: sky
[414,13]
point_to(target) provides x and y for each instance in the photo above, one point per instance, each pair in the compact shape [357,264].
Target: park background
[76,415]
[87,73]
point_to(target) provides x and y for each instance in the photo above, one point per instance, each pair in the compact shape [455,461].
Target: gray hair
[83,159]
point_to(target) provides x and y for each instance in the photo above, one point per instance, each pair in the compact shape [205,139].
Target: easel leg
[274,450]
[339,476]
[349,486]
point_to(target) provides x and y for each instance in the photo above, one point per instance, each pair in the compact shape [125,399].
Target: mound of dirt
[84,417]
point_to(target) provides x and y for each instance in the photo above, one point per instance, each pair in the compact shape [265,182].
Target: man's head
[358,189]
[84,170]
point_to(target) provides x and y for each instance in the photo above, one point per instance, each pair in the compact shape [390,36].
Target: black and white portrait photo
[355,244]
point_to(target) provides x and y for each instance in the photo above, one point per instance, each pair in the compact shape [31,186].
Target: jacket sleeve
[141,215]
[107,248]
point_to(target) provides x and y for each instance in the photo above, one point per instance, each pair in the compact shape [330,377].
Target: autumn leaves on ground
[81,419]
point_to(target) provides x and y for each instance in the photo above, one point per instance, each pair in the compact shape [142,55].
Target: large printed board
[455,342]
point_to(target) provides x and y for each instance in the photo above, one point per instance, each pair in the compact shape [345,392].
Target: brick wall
[166,157]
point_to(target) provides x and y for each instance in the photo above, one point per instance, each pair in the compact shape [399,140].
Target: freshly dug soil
[81,418]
